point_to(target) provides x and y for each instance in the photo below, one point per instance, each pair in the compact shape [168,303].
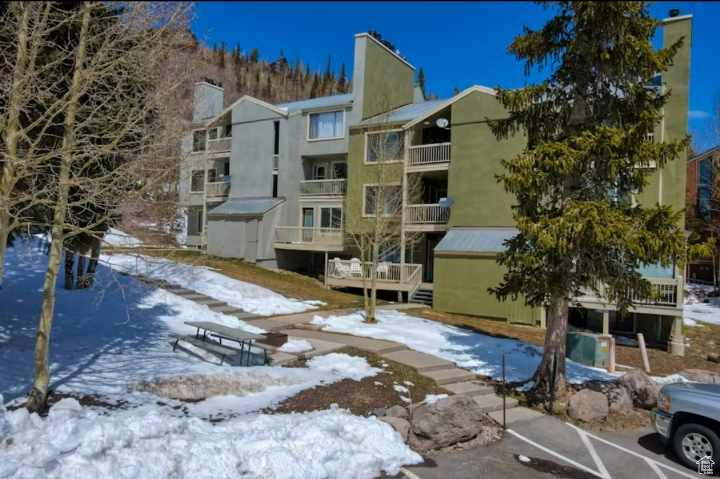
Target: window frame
[344,123]
[192,177]
[365,153]
[364,193]
[192,146]
[331,207]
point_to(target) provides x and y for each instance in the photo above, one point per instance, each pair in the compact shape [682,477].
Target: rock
[379,412]
[401,425]
[714,358]
[397,411]
[619,400]
[701,376]
[588,405]
[446,422]
[642,389]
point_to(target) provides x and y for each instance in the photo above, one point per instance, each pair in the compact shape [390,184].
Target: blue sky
[458,44]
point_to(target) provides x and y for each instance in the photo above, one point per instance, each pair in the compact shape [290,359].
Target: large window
[327,125]
[331,217]
[392,199]
[195,221]
[199,140]
[197,181]
[705,187]
[384,146]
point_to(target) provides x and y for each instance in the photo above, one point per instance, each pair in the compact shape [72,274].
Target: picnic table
[219,331]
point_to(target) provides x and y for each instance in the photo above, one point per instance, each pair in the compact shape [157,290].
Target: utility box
[588,349]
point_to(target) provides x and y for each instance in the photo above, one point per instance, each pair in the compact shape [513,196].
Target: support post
[643,352]
[325,272]
[677,337]
[606,323]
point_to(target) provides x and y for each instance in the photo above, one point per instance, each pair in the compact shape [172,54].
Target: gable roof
[475,240]
[250,99]
[704,154]
[245,207]
[403,114]
[319,102]
[450,101]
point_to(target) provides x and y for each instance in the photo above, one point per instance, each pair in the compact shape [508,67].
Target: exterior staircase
[423,296]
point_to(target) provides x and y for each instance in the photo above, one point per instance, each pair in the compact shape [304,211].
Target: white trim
[377,132]
[192,140]
[251,99]
[208,84]
[364,187]
[334,110]
[330,207]
[192,174]
[365,34]
[450,101]
[675,19]
[315,170]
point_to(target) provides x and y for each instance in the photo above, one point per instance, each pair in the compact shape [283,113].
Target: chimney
[207,100]
[674,12]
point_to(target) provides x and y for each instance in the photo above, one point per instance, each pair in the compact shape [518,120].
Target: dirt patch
[362,397]
[85,400]
[283,282]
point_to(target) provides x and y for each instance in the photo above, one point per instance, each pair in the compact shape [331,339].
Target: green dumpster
[588,348]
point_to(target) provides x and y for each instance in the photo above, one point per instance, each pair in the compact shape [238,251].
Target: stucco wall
[387,83]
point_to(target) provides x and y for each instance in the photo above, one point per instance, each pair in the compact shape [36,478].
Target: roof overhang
[450,101]
[246,99]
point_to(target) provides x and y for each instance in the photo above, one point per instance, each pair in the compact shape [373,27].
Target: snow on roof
[320,102]
[404,113]
[475,240]
[245,207]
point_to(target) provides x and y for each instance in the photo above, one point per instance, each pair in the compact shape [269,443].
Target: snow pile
[337,363]
[477,352]
[246,296]
[296,346]
[115,237]
[154,442]
[696,309]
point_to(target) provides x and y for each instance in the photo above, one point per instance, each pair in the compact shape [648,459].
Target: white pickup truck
[688,419]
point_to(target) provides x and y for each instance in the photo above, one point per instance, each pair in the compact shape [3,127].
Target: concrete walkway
[297,326]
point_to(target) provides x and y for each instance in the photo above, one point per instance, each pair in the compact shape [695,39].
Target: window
[320,172]
[276,138]
[326,125]
[392,198]
[384,146]
[705,187]
[212,175]
[199,139]
[227,130]
[331,217]
[197,181]
[275,186]
[195,220]
[226,167]
[340,170]
[212,134]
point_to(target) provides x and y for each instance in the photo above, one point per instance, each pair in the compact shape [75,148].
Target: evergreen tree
[314,89]
[586,131]
[421,79]
[254,55]
[221,52]
[236,55]
[342,80]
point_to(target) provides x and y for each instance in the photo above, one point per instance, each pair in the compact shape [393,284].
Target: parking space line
[598,462]
[557,454]
[657,470]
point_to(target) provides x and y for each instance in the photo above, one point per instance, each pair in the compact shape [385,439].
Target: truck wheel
[692,442]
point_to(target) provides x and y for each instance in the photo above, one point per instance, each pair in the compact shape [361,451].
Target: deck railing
[433,154]
[663,292]
[219,145]
[217,189]
[427,214]
[331,237]
[408,274]
[323,187]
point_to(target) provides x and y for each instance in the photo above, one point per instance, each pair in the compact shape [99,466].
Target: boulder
[397,411]
[446,422]
[379,412]
[701,376]
[642,389]
[619,400]
[714,358]
[588,405]
[402,426]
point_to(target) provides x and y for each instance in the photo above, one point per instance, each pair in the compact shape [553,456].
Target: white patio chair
[382,270]
[355,267]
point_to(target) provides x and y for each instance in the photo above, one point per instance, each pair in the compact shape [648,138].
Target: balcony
[389,276]
[323,187]
[219,145]
[218,189]
[308,239]
[427,217]
[666,297]
[430,157]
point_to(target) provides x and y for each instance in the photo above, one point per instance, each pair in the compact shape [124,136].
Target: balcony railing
[435,154]
[664,292]
[428,214]
[219,145]
[354,273]
[218,189]
[320,237]
[323,187]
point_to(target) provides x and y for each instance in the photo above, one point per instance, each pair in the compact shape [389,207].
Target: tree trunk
[37,400]
[373,284]
[69,260]
[89,277]
[555,338]
[80,274]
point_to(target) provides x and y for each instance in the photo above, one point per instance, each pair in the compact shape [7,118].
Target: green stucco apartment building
[455,220]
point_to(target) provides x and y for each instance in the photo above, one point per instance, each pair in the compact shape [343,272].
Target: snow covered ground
[695,310]
[246,296]
[115,237]
[479,353]
[112,340]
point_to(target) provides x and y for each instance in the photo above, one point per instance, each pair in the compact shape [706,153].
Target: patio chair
[356,267]
[382,270]
[339,268]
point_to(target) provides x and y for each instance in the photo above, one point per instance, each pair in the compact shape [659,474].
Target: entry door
[308,222]
[431,241]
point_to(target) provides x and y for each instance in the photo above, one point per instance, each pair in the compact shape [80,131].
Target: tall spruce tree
[586,156]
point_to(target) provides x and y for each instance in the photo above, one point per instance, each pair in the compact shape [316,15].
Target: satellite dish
[446,202]
[442,122]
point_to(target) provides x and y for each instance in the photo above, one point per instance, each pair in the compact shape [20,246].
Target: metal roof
[475,240]
[250,207]
[320,102]
[404,113]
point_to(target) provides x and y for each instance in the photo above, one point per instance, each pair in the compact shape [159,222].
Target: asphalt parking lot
[546,447]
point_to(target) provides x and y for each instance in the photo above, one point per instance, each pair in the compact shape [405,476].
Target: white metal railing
[432,154]
[663,292]
[323,187]
[219,144]
[332,237]
[218,188]
[427,214]
[354,269]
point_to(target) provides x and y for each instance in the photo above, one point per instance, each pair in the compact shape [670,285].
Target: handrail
[323,187]
[426,214]
[663,292]
[430,154]
[307,235]
[405,273]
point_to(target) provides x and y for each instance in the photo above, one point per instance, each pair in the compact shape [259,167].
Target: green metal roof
[475,240]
